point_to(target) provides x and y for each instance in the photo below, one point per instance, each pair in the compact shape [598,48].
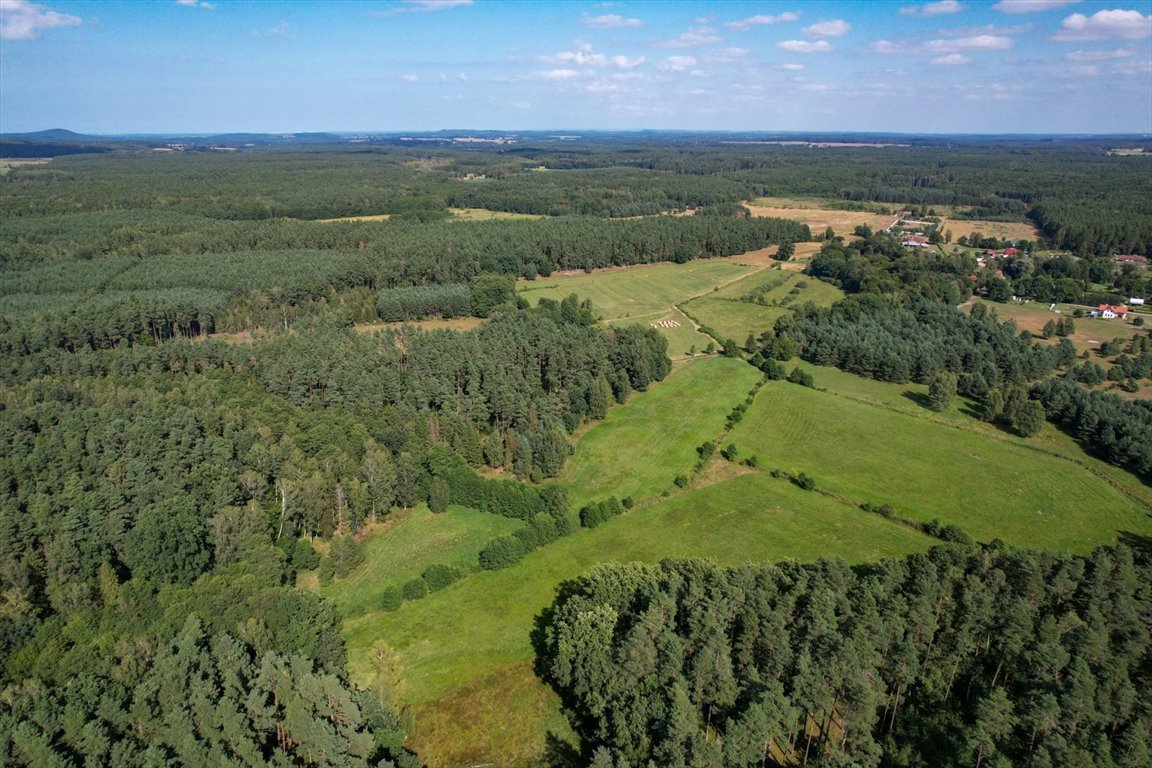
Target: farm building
[916,241]
[1136,302]
[1110,311]
[1132,258]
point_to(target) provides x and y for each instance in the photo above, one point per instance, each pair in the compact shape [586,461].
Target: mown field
[465,652]
[410,544]
[817,216]
[925,469]
[775,293]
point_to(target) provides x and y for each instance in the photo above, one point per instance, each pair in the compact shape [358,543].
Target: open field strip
[405,548]
[990,488]
[816,217]
[1002,230]
[471,642]
[639,448]
[635,291]
[434,324]
[722,310]
[484,214]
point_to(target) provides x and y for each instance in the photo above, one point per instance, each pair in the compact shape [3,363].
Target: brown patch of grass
[1003,230]
[818,219]
[504,719]
[451,324]
[372,217]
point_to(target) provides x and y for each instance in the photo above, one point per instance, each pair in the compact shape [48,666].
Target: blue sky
[952,66]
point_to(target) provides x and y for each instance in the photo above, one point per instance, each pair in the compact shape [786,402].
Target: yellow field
[817,218]
[483,214]
[453,324]
[1003,230]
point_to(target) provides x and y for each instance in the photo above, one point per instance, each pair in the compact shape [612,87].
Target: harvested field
[818,219]
[1003,230]
[452,324]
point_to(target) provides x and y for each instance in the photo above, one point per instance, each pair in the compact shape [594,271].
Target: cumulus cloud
[280,30]
[1030,6]
[410,78]
[974,43]
[419,6]
[584,56]
[196,4]
[557,74]
[1104,25]
[694,37]
[952,60]
[760,20]
[804,46]
[932,9]
[21,20]
[887,46]
[791,67]
[609,21]
[678,63]
[834,28]
[727,55]
[1119,53]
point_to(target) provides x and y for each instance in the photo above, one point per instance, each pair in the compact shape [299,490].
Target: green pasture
[636,292]
[640,447]
[684,340]
[469,641]
[776,291]
[926,469]
[404,549]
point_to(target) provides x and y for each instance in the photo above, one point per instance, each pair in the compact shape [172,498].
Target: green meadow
[774,293]
[925,469]
[636,292]
[409,545]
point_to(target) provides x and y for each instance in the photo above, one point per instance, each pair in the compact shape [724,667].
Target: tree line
[959,657]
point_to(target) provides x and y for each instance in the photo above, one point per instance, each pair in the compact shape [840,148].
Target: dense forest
[164,484]
[962,656]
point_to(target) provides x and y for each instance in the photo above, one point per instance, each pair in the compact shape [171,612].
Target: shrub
[801,377]
[501,553]
[391,599]
[415,589]
[326,571]
[304,557]
[439,576]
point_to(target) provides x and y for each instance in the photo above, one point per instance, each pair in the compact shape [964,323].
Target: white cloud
[834,28]
[584,57]
[727,55]
[952,60]
[987,29]
[1088,70]
[609,21]
[804,46]
[558,74]
[692,38]
[1030,6]
[1119,53]
[1133,68]
[196,4]
[791,67]
[887,46]
[599,86]
[1102,25]
[410,78]
[932,9]
[21,20]
[975,43]
[760,20]
[678,63]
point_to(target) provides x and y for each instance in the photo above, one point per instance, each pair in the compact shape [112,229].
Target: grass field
[483,214]
[452,324]
[1090,332]
[684,340]
[817,217]
[991,488]
[734,319]
[404,549]
[640,448]
[1003,230]
[636,292]
[470,643]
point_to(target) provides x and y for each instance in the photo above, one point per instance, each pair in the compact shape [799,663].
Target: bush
[439,576]
[304,557]
[501,553]
[801,377]
[326,571]
[346,554]
[438,495]
[391,599]
[415,589]
[804,481]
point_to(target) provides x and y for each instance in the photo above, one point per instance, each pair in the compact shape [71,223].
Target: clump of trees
[959,657]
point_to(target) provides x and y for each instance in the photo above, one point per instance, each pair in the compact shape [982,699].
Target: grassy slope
[640,448]
[735,319]
[637,291]
[466,647]
[992,488]
[405,549]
